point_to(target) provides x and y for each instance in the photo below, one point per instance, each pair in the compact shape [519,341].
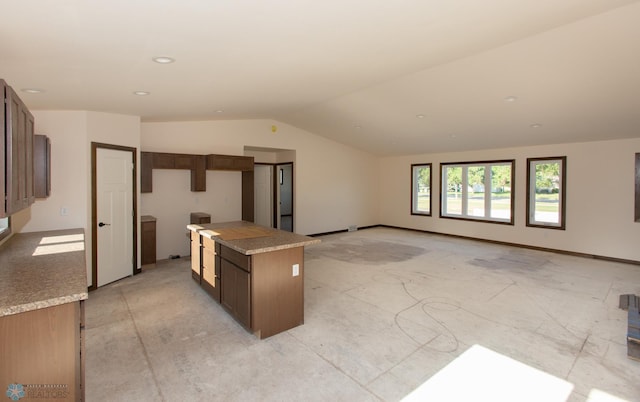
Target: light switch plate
[296,269]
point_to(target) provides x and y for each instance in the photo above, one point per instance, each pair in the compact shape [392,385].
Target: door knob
[101,224]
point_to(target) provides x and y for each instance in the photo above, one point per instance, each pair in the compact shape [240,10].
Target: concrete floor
[385,311]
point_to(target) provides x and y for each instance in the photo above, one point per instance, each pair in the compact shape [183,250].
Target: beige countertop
[42,269]
[249,238]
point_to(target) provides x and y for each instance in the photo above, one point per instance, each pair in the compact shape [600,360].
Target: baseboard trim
[342,231]
[504,243]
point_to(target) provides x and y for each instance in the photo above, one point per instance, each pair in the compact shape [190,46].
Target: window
[5,227]
[477,191]
[421,189]
[546,192]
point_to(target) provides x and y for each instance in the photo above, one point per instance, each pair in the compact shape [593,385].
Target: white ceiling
[356,71]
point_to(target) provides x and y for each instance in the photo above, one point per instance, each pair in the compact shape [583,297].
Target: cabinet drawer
[239,259]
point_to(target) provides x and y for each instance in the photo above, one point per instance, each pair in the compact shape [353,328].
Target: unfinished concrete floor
[385,311]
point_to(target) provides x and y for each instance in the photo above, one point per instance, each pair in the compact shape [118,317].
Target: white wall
[335,185]
[71,134]
[600,197]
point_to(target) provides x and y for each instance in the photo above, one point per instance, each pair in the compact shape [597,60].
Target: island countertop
[248,238]
[42,269]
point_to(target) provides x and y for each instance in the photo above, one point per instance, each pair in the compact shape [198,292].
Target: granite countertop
[42,269]
[249,238]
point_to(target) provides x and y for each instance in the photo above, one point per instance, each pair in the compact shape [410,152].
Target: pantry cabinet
[17,168]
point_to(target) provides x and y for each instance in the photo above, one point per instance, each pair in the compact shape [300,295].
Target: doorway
[285,196]
[113,213]
[273,196]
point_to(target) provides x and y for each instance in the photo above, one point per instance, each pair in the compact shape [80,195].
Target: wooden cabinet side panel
[277,295]
[42,347]
[42,166]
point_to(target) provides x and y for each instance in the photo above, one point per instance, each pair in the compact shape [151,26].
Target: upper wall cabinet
[17,186]
[229,162]
[42,166]
[197,164]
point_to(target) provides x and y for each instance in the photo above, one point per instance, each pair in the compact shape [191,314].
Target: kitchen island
[256,273]
[43,285]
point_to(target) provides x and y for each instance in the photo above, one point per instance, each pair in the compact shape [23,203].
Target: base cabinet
[148,239]
[236,292]
[43,354]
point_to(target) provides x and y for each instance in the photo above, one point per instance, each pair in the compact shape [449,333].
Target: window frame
[6,231]
[562,197]
[414,203]
[487,206]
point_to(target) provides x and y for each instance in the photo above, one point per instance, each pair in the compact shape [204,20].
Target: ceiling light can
[163,59]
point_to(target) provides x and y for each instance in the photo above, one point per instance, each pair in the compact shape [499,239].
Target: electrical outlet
[296,269]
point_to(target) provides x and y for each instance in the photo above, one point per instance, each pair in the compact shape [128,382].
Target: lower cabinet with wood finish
[259,290]
[42,354]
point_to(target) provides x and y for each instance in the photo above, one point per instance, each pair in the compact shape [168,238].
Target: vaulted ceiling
[403,77]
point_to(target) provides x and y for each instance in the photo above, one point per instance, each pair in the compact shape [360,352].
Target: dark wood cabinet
[236,292]
[42,166]
[199,218]
[45,346]
[148,239]
[258,282]
[18,188]
[229,162]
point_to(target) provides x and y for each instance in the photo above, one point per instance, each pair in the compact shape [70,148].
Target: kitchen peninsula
[43,285]
[256,273]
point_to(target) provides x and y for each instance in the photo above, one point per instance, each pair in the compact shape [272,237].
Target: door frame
[94,209]
[277,196]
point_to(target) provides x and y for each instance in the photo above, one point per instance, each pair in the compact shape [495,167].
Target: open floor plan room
[387,312]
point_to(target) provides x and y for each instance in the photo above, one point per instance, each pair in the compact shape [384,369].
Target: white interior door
[263,195]
[114,178]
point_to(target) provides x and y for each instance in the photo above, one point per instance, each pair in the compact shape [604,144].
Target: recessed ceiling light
[420,116]
[163,60]
[535,125]
[510,99]
[219,111]
[357,127]
[32,90]
[141,93]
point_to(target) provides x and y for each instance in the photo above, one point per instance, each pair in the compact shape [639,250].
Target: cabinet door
[19,154]
[148,242]
[195,255]
[236,294]
[3,90]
